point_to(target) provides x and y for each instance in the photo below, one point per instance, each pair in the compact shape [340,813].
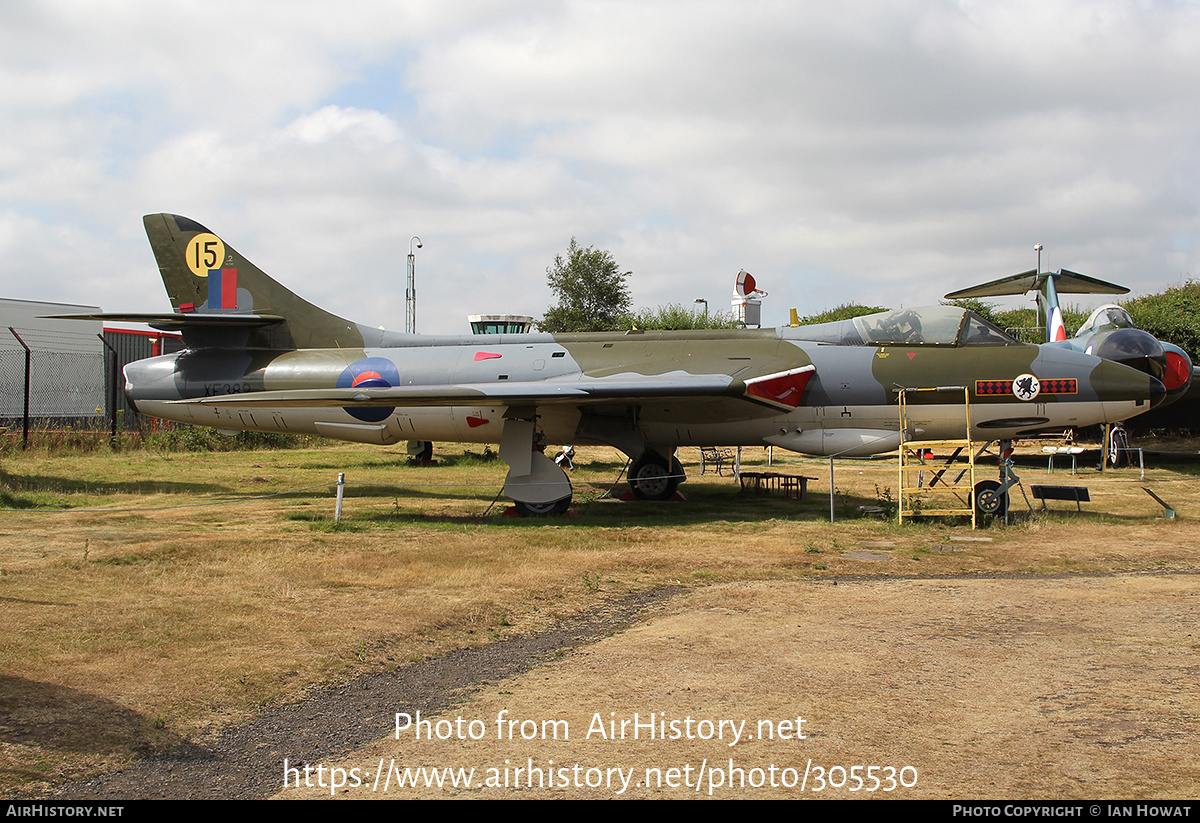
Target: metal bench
[1077,493]
[714,457]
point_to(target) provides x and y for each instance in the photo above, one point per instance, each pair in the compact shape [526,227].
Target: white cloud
[366,129]
[876,151]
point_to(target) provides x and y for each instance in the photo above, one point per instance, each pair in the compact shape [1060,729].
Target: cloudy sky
[879,152]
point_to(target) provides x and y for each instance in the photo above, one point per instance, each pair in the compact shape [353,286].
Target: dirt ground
[1035,687]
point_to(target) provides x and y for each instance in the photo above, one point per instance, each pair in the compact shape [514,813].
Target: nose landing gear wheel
[1118,448]
[989,499]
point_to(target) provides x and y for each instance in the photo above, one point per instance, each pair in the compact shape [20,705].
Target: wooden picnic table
[792,485]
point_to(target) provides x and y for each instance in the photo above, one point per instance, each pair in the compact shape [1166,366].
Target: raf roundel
[370,373]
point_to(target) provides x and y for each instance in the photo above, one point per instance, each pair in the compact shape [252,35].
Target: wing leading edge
[779,390]
[176,321]
[1066,282]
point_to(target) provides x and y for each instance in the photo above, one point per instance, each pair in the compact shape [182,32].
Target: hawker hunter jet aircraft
[260,358]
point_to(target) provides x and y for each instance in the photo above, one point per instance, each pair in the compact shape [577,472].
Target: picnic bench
[1050,451]
[792,485]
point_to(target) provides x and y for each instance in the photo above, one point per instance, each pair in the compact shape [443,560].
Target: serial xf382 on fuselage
[260,358]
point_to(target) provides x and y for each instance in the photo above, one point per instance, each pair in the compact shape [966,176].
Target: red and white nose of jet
[1177,376]
[1141,350]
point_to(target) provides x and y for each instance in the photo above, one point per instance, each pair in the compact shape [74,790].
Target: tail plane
[1048,285]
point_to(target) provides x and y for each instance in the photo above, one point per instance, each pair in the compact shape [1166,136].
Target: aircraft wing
[1065,282]
[779,390]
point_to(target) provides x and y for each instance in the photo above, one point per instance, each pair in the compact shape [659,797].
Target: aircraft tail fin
[1048,285]
[211,286]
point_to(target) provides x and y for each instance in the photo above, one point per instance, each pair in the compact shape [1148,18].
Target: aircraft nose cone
[1158,392]
[1126,387]
[1134,348]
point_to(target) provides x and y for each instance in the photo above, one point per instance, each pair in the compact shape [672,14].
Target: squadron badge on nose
[1026,387]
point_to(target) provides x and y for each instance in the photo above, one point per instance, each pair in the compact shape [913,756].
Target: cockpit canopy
[924,326]
[1110,315]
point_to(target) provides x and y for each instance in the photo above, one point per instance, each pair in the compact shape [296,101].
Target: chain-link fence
[62,386]
[74,380]
[63,370]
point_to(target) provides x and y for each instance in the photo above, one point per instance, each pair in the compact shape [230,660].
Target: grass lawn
[149,597]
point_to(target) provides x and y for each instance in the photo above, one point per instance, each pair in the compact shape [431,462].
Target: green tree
[987,310]
[591,291]
[1172,315]
[846,311]
[675,316]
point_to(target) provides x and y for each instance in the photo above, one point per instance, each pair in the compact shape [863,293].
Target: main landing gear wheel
[653,477]
[421,451]
[555,509]
[989,499]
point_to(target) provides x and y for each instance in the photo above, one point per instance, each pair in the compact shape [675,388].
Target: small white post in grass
[341,487]
[831,490]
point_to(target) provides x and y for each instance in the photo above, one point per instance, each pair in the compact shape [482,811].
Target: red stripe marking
[229,288]
[785,390]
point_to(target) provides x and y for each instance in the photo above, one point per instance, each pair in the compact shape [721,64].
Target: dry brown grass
[173,622]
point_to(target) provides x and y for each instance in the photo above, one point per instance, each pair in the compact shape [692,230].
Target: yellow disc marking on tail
[204,251]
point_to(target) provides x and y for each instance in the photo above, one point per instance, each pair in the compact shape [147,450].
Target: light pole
[705,302]
[410,293]
[1038,248]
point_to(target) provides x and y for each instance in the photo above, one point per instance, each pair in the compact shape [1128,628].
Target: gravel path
[246,762]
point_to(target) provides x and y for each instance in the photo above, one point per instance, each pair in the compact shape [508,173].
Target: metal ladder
[913,489]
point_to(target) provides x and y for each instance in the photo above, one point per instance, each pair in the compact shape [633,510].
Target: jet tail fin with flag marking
[213,289]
